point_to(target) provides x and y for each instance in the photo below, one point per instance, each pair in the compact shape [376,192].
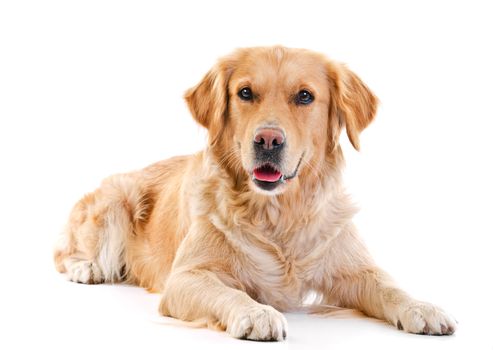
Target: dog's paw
[423,318]
[261,322]
[84,271]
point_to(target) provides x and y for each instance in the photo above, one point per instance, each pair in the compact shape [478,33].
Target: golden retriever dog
[248,228]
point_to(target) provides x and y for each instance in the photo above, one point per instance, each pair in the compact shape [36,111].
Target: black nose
[268,139]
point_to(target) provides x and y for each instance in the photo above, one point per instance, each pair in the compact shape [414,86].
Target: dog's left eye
[304,97]
[246,94]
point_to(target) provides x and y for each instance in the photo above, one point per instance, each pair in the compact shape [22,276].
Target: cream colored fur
[223,251]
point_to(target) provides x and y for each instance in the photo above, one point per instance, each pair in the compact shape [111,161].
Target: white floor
[52,313]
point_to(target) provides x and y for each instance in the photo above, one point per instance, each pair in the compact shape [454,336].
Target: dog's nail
[444,329]
[426,330]
[283,334]
[399,325]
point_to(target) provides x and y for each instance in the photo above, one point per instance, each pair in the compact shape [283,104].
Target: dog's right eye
[246,94]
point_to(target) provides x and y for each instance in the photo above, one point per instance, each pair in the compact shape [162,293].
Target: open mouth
[267,173]
[268,177]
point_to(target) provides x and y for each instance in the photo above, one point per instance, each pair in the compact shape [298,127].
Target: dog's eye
[304,97]
[246,94]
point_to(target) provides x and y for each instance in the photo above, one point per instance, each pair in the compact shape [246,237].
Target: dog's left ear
[208,100]
[352,102]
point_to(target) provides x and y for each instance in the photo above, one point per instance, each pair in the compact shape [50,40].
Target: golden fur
[198,230]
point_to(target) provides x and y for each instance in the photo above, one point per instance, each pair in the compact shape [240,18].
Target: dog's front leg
[373,292]
[357,283]
[201,287]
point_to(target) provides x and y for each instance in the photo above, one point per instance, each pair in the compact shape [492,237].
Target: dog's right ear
[208,100]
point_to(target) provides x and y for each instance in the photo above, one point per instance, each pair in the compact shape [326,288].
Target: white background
[91,88]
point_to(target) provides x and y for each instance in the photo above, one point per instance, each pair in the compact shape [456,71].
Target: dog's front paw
[423,318]
[261,322]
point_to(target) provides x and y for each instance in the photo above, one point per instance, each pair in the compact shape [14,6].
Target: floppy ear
[352,103]
[208,100]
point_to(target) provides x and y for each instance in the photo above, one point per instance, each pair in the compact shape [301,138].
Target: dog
[248,228]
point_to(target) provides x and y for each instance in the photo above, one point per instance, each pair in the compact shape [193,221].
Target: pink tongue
[268,175]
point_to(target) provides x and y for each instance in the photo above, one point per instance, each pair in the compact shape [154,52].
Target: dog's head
[273,113]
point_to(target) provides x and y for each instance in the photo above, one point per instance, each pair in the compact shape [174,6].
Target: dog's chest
[279,252]
[277,270]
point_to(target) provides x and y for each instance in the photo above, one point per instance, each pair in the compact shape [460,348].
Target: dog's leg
[92,246]
[373,292]
[201,295]
[201,287]
[357,283]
